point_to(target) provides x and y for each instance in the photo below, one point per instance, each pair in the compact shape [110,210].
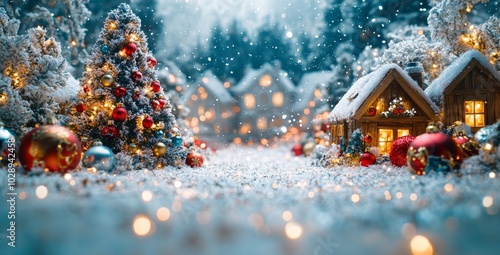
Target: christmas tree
[121,102]
[33,70]
[355,144]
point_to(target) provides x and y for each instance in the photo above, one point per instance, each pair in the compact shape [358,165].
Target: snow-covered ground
[250,200]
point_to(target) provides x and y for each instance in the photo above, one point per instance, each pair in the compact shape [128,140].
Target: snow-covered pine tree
[449,23]
[121,102]
[355,144]
[63,20]
[35,69]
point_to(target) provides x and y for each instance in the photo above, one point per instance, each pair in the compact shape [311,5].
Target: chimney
[416,72]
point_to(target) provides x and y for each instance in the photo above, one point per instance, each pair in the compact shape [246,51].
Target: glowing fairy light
[41,192]
[142,225]
[293,230]
[420,245]
[147,196]
[487,201]
[163,214]
[287,216]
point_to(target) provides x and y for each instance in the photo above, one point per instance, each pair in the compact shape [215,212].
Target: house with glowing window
[265,96]
[385,104]
[213,109]
[310,102]
[468,91]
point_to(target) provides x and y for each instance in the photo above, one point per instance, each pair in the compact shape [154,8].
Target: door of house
[387,135]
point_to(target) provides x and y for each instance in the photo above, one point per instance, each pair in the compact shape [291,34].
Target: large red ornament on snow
[151,61]
[367,159]
[51,147]
[194,159]
[119,114]
[156,87]
[136,76]
[120,92]
[147,122]
[438,145]
[399,148]
[109,132]
[297,149]
[130,48]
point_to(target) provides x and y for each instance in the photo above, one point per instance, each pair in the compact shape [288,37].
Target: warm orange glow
[249,100]
[474,113]
[227,85]
[278,99]
[245,128]
[385,138]
[265,80]
[262,123]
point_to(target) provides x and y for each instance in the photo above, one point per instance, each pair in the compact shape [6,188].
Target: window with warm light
[385,139]
[265,80]
[245,128]
[278,99]
[338,131]
[386,136]
[262,123]
[474,113]
[249,100]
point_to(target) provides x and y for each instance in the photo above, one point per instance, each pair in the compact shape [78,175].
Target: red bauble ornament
[147,122]
[50,147]
[399,148]
[194,159]
[162,103]
[130,48]
[297,149]
[325,127]
[109,132]
[86,89]
[151,61]
[372,111]
[368,139]
[156,87]
[136,76]
[137,93]
[433,144]
[119,114]
[367,159]
[156,105]
[81,108]
[200,143]
[120,92]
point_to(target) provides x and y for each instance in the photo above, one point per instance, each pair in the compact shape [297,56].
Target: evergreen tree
[34,70]
[355,144]
[63,20]
[121,102]
[270,45]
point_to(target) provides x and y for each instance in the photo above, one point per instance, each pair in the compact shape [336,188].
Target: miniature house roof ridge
[215,86]
[459,68]
[254,75]
[371,86]
[308,85]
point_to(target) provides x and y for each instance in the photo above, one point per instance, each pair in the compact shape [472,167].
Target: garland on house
[397,109]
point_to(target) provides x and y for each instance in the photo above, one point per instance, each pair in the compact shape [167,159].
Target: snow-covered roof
[171,68]
[439,85]
[364,88]
[214,85]
[252,79]
[309,83]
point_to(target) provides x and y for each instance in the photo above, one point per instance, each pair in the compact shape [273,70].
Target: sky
[187,21]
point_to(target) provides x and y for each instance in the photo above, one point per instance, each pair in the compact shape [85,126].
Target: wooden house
[264,96]
[468,91]
[310,100]
[385,104]
[213,109]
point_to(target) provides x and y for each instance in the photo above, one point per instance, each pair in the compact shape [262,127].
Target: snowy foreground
[237,204]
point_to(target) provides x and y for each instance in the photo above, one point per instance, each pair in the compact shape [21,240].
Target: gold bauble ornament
[159,149]
[107,80]
[308,148]
[132,148]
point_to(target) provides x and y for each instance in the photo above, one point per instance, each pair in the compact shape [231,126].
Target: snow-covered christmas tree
[121,102]
[33,70]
